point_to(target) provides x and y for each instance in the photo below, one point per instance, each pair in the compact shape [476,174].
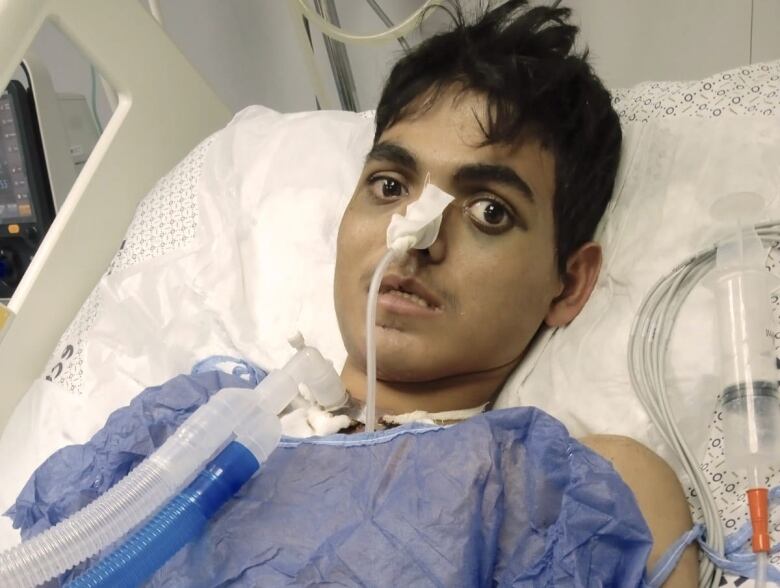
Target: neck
[452,393]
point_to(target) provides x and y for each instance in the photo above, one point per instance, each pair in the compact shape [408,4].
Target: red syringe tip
[758,501]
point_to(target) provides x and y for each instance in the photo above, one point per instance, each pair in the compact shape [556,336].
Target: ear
[579,279]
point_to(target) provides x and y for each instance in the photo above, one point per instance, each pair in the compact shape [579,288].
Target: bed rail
[164,108]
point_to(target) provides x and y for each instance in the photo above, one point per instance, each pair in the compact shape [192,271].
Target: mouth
[407,296]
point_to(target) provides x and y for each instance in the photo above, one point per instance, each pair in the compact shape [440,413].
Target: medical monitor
[25,201]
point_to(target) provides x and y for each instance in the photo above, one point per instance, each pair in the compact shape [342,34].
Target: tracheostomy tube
[418,228]
[231,435]
[749,395]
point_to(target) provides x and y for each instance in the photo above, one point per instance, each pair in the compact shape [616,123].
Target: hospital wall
[249,52]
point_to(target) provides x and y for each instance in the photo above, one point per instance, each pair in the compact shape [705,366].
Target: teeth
[411,297]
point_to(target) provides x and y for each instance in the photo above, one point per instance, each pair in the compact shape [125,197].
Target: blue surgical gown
[506,498]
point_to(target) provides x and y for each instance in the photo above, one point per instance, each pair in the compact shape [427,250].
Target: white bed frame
[164,108]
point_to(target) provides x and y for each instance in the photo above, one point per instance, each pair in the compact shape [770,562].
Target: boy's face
[489,279]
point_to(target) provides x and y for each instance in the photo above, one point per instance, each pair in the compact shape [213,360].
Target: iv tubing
[387,22]
[762,562]
[648,342]
[373,295]
[323,97]
[397,31]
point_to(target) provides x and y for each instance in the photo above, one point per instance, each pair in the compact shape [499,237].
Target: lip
[397,304]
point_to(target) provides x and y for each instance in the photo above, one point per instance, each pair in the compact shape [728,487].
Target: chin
[404,361]
[401,355]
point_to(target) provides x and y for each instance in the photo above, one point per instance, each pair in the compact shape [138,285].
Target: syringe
[749,393]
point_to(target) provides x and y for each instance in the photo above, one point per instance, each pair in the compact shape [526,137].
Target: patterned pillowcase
[164,221]
[748,91]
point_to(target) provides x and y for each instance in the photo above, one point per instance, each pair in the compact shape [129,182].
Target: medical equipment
[649,341]
[398,30]
[65,125]
[342,72]
[45,139]
[25,198]
[160,118]
[749,396]
[418,229]
[338,58]
[163,104]
[185,516]
[233,414]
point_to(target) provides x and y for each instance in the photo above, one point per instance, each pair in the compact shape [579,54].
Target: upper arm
[659,496]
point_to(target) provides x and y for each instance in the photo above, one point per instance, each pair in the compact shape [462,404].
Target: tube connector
[758,501]
[309,368]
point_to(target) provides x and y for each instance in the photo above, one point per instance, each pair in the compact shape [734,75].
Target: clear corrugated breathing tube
[231,435]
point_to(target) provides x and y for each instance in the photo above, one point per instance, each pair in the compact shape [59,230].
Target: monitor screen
[16,204]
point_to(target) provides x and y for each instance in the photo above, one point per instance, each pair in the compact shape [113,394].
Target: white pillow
[230,254]
[671,131]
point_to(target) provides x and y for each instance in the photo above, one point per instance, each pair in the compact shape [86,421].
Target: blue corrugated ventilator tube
[182,520]
[180,486]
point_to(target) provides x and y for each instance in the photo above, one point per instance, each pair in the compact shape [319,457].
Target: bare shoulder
[659,495]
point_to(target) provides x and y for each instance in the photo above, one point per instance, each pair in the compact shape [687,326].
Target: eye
[490,215]
[386,188]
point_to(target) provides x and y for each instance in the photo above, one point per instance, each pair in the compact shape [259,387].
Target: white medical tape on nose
[419,227]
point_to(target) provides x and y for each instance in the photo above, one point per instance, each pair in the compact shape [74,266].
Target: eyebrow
[393,153]
[468,173]
[501,174]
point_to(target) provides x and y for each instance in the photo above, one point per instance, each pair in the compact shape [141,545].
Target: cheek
[360,237]
[505,299]
[348,243]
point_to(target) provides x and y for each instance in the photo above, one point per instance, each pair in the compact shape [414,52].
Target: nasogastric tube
[418,228]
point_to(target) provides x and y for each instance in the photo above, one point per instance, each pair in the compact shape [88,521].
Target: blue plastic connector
[178,523]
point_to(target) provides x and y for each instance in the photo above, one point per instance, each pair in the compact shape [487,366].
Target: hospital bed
[579,374]
[164,108]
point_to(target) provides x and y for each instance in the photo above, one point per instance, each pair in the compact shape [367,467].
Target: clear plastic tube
[762,563]
[373,295]
[418,228]
[181,521]
[184,518]
[397,31]
[157,479]
[125,505]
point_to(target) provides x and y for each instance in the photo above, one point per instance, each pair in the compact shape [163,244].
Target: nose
[437,252]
